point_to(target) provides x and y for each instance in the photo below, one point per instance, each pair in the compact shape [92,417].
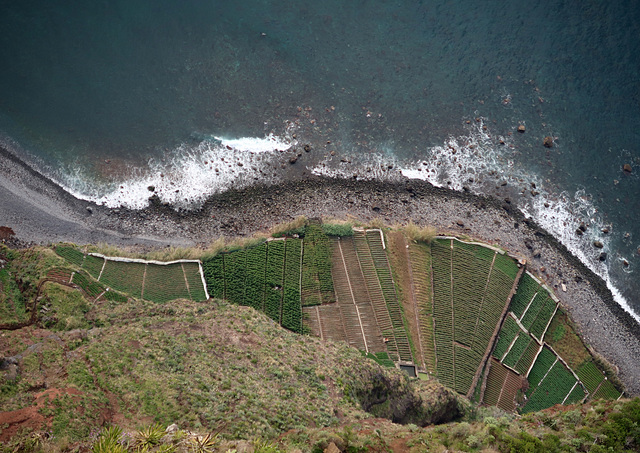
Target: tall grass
[416,233]
[295,226]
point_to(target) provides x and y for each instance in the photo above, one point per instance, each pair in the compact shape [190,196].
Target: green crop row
[508,332]
[539,326]
[274,280]
[590,375]
[526,359]
[507,265]
[124,277]
[194,279]
[527,288]
[71,254]
[234,276]
[553,389]
[543,363]
[518,348]
[163,283]
[213,270]
[91,287]
[606,391]
[93,265]
[532,313]
[317,282]
[291,307]
[255,282]
[576,395]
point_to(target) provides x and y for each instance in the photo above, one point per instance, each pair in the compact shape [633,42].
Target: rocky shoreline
[39,211]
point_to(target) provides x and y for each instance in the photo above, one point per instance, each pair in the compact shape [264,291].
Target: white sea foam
[477,161]
[189,174]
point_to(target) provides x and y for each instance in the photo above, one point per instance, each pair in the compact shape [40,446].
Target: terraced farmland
[477,321]
[471,295]
[265,277]
[157,282]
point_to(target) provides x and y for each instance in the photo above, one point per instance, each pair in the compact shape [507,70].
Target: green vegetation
[424,234]
[317,284]
[137,342]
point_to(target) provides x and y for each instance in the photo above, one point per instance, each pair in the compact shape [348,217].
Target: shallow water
[110,98]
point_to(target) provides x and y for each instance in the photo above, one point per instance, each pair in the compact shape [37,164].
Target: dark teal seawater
[123,81]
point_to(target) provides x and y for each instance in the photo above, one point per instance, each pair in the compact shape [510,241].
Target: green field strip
[468,292]
[508,333]
[93,265]
[163,283]
[542,365]
[88,284]
[442,310]
[466,365]
[484,253]
[606,391]
[213,270]
[553,389]
[517,349]
[316,282]
[531,313]
[498,288]
[194,281]
[274,279]
[539,325]
[576,395]
[527,289]
[291,305]
[124,276]
[507,265]
[256,258]
[590,375]
[235,276]
[527,358]
[71,254]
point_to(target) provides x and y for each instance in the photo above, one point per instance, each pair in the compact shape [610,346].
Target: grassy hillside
[88,341]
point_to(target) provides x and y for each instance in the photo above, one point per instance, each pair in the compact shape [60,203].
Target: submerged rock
[548,142]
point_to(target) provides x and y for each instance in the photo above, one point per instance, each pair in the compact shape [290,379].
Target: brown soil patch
[30,417]
[6,233]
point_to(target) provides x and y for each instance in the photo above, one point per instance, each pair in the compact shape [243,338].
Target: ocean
[196,97]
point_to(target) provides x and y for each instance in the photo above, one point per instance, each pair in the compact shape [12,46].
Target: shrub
[424,234]
[341,229]
[149,436]
[296,226]
[109,441]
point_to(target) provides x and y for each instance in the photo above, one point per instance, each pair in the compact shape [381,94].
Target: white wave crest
[189,174]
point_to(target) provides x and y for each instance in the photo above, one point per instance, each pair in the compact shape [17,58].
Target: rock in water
[548,142]
[603,256]
[627,168]
[521,128]
[598,244]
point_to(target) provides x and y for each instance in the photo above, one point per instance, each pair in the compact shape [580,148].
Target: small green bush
[338,229]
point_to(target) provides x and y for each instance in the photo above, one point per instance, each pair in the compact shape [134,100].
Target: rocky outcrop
[401,400]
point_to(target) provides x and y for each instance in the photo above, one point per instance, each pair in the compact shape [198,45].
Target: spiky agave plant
[110,441]
[149,436]
[204,444]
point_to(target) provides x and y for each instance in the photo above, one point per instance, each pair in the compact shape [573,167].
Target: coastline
[40,211]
